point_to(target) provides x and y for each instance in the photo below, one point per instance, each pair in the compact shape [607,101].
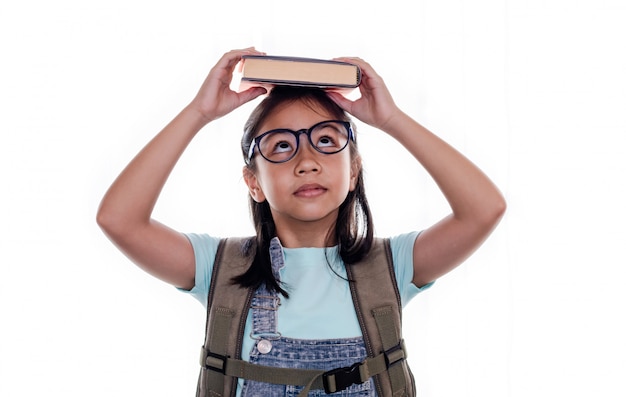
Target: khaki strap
[389,336]
[331,381]
[219,345]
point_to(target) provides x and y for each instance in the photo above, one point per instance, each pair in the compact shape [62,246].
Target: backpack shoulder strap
[379,310]
[227,306]
[377,303]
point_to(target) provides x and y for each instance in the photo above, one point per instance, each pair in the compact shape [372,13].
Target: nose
[306,158]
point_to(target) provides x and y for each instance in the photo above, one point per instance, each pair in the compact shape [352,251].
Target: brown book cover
[309,72]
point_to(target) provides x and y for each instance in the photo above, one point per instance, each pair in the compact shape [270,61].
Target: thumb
[340,100]
[251,93]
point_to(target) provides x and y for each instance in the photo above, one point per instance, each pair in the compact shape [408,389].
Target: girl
[311,216]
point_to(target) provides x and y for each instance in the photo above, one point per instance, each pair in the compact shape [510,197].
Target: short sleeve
[204,249]
[402,253]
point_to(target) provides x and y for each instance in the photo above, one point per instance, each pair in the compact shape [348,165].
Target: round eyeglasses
[281,145]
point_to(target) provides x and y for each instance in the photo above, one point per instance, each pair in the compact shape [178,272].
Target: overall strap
[265,302]
[379,311]
[227,309]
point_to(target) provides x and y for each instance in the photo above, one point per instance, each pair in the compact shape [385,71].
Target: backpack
[379,311]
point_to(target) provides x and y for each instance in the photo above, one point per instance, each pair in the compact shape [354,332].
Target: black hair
[353,231]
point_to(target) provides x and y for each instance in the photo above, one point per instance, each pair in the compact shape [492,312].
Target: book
[308,72]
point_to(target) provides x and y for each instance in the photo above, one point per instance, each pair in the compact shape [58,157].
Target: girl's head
[332,182]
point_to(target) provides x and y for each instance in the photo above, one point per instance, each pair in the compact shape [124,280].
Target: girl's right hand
[215,98]
[125,213]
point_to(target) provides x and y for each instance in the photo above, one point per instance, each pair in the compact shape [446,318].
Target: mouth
[310,190]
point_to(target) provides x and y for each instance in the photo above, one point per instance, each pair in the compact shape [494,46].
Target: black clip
[341,378]
[215,362]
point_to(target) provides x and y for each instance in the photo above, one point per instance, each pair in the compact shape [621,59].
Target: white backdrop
[533,91]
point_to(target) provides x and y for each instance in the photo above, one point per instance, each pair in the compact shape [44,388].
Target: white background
[533,91]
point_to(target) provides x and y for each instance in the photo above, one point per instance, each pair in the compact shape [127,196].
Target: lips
[310,190]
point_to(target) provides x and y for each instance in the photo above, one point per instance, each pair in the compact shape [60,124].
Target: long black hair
[353,231]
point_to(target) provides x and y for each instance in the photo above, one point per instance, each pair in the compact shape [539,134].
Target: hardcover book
[309,72]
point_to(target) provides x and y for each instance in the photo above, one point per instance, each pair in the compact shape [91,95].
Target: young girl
[312,220]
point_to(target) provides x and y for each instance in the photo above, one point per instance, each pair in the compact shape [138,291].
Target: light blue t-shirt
[319,305]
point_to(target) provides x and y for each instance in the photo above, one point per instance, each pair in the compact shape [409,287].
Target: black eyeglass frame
[307,131]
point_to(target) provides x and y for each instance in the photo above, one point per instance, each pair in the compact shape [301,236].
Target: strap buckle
[213,361]
[395,354]
[339,379]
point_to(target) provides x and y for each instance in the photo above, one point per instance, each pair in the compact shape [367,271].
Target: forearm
[470,193]
[476,203]
[133,195]
[125,213]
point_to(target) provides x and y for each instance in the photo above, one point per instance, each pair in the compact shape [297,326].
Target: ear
[253,185]
[355,170]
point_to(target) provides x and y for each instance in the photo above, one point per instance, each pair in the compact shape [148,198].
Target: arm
[125,213]
[477,205]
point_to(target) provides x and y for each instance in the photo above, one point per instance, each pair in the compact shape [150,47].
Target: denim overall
[272,349]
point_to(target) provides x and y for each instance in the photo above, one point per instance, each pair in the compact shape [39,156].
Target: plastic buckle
[215,362]
[340,378]
[395,354]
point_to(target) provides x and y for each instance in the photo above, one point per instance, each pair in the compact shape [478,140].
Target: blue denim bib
[272,349]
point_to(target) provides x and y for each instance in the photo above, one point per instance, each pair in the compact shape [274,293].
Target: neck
[306,234]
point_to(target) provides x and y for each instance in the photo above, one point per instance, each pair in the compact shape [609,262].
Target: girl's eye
[325,141]
[278,143]
[282,147]
[328,137]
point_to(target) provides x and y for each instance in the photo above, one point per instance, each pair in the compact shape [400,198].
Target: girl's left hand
[375,106]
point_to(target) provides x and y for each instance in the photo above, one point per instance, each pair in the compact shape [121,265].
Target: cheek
[269,182]
[351,172]
[344,178]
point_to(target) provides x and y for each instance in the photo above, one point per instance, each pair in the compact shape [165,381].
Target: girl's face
[312,185]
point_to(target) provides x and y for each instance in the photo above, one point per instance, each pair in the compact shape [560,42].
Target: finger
[231,58]
[251,93]
[355,61]
[340,100]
